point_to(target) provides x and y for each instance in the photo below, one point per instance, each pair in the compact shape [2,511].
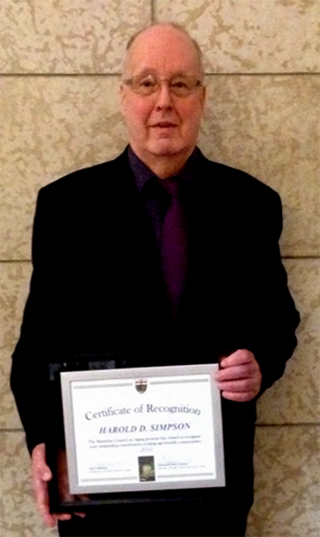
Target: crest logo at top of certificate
[141,385]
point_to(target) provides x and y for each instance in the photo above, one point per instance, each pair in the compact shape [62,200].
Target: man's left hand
[239,377]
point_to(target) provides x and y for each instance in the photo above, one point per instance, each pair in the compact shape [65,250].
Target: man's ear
[123,98]
[203,96]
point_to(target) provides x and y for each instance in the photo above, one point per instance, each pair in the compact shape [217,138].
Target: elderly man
[163,258]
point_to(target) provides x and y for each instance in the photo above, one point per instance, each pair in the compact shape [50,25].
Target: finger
[244,390]
[63,516]
[50,520]
[41,474]
[238,385]
[45,473]
[241,356]
[41,470]
[42,500]
[236,372]
[67,516]
[239,397]
[42,497]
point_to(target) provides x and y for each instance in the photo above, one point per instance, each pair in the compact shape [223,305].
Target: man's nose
[164,97]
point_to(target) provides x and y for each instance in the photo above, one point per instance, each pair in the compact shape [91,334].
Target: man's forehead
[163,45]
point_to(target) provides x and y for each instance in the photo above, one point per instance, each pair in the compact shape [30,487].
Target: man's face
[162,124]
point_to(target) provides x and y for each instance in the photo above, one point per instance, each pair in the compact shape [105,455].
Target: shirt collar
[142,173]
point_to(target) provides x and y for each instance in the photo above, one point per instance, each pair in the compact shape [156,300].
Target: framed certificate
[132,433]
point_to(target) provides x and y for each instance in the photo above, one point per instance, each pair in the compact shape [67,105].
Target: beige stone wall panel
[14,288]
[269,126]
[17,507]
[287,483]
[295,398]
[9,417]
[50,126]
[246,36]
[65,36]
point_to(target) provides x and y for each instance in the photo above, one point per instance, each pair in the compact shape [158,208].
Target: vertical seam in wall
[153,11]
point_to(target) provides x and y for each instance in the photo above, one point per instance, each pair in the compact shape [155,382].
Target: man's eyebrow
[147,71]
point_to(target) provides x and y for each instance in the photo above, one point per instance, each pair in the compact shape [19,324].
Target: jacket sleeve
[28,374]
[274,311]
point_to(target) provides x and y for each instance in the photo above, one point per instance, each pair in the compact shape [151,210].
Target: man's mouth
[164,124]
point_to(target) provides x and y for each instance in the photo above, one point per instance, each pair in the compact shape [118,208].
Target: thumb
[45,473]
[40,467]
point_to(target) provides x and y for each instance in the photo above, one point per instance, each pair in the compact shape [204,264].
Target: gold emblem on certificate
[141,385]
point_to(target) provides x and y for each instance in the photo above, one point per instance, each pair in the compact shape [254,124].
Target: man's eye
[147,83]
[179,83]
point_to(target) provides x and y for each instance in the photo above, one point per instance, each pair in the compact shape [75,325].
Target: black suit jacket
[97,287]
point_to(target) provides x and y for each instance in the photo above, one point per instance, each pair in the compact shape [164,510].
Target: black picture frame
[60,500]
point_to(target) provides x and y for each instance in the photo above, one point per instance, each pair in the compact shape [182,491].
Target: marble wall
[60,62]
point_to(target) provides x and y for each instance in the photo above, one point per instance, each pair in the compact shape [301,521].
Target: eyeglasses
[179,85]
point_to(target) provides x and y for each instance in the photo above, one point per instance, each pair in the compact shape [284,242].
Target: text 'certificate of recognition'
[143,429]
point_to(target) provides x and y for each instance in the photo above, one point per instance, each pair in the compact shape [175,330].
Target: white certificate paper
[143,429]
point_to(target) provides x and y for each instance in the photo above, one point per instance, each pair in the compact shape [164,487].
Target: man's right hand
[41,475]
